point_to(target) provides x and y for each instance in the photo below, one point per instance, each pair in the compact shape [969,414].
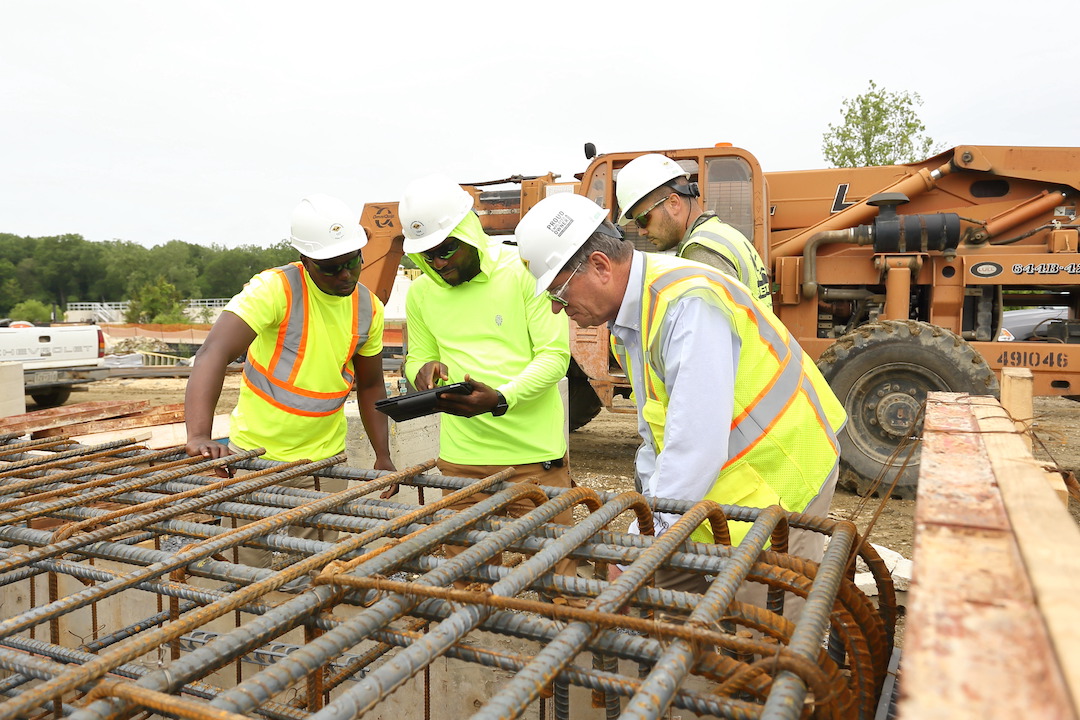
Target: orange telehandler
[896,278]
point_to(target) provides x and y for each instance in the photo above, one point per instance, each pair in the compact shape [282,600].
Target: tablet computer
[418,404]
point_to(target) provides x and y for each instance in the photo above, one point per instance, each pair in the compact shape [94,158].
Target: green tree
[879,128]
[157,302]
[34,311]
[10,291]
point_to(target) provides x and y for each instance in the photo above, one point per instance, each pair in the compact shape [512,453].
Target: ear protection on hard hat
[689,190]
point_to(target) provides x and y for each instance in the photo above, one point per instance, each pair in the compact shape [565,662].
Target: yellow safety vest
[711,232]
[275,380]
[782,446]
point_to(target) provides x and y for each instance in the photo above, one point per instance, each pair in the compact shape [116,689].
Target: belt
[548,464]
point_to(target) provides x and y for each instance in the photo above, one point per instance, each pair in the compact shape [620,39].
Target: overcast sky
[207,121]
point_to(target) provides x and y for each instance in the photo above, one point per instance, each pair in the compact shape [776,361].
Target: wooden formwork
[992,627]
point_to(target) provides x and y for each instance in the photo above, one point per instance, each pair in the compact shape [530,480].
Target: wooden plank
[161,415]
[1017,390]
[959,490]
[65,415]
[159,436]
[976,644]
[1047,536]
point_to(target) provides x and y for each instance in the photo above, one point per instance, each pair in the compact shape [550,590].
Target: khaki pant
[533,472]
[803,543]
[260,558]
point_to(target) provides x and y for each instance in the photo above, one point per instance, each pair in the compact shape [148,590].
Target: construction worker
[472,316]
[311,334]
[729,407]
[656,193]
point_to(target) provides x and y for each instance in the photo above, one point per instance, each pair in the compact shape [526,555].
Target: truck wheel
[882,372]
[51,397]
[583,401]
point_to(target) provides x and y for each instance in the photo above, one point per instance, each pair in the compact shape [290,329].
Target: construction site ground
[602,452]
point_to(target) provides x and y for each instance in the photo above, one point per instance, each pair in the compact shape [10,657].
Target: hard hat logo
[560,223]
[337,231]
[418,228]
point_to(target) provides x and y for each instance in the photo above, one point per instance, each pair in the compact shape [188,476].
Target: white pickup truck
[54,358]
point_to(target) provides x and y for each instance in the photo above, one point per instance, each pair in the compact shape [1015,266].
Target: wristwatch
[500,407]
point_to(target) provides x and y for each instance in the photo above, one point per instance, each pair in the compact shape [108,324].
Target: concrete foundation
[12,390]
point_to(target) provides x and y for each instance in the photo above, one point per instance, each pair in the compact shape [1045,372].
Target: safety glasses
[335,269]
[557,295]
[643,219]
[445,251]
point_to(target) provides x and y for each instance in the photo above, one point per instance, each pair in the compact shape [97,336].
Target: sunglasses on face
[335,269]
[442,252]
[557,294]
[643,219]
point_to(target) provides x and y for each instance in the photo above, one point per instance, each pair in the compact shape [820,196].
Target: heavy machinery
[894,277]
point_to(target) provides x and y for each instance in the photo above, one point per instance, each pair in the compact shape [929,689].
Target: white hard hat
[323,227]
[640,177]
[430,209]
[550,233]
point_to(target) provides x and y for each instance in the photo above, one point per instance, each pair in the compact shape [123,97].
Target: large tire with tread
[881,372]
[51,397]
[583,401]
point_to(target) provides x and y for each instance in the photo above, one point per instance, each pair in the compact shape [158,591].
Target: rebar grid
[123,597]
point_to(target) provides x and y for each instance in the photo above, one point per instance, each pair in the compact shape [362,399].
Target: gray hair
[607,239]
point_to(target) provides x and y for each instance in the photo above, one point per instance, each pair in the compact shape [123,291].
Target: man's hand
[482,399]
[387,465]
[204,446]
[431,373]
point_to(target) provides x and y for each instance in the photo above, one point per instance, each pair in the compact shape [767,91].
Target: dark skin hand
[482,399]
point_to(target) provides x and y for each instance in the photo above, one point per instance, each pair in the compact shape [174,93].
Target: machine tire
[881,372]
[51,397]
[584,403]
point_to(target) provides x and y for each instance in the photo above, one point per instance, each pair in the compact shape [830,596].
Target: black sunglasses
[642,220]
[335,269]
[444,251]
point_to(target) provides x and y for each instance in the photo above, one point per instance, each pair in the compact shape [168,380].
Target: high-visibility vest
[711,232]
[782,445]
[276,380]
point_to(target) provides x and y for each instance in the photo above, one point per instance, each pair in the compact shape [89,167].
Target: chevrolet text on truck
[54,358]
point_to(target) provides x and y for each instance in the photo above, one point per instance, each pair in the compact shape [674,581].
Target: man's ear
[602,263]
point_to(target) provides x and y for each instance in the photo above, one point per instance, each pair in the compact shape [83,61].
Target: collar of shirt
[702,218]
[629,315]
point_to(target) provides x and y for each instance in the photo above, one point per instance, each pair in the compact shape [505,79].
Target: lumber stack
[97,422]
[991,629]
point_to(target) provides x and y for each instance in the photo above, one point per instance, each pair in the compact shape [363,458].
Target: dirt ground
[602,452]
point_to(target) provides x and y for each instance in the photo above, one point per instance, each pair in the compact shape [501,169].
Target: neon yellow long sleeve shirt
[494,329]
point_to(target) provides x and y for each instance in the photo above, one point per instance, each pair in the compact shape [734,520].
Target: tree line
[53,271]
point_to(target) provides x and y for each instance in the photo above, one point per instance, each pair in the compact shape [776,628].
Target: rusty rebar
[363,601]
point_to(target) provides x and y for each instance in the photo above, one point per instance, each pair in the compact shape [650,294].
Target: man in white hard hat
[472,316]
[729,407]
[655,192]
[311,334]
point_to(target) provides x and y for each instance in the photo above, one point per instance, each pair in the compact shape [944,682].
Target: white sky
[206,121]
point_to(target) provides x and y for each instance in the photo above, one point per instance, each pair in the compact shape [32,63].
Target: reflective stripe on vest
[728,242]
[778,390]
[276,384]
